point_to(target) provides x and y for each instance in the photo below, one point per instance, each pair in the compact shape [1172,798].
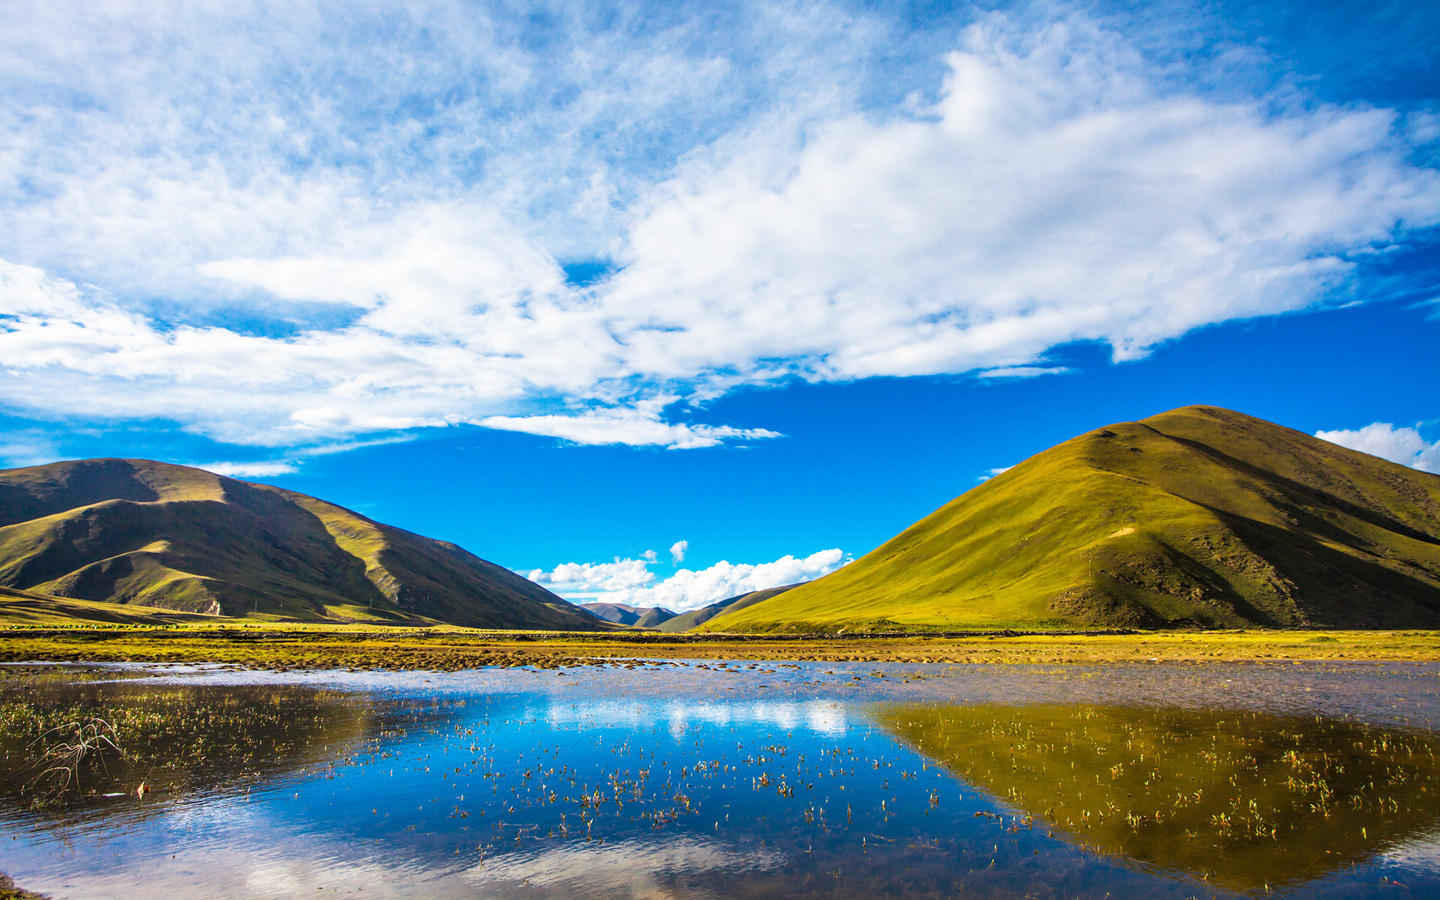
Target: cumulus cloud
[677,551]
[631,581]
[291,230]
[1403,445]
[591,580]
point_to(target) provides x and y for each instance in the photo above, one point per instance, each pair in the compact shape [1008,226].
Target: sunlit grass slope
[1195,516]
[28,608]
[176,538]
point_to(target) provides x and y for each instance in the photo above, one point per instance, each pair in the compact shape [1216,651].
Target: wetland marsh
[732,778]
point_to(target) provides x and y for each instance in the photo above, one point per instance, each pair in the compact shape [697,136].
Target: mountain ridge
[626,614]
[176,537]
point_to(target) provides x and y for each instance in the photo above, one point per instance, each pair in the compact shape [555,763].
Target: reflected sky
[811,780]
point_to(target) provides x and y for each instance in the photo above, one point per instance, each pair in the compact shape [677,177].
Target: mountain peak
[1196,516]
[177,537]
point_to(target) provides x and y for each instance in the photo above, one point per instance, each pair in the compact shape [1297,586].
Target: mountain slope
[1195,516]
[173,537]
[624,614]
[687,621]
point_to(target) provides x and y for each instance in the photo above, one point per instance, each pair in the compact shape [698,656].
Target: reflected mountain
[1247,800]
[178,740]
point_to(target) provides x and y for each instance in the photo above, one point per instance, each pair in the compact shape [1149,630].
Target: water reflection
[147,744]
[540,784]
[1246,800]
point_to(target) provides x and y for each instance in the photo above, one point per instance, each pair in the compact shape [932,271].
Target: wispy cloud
[348,446]
[637,428]
[1023,371]
[991,473]
[633,582]
[262,469]
[1403,445]
[27,448]
[298,230]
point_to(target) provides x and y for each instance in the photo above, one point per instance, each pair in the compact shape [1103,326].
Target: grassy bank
[363,647]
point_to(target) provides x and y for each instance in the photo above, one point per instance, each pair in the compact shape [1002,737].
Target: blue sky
[662,303]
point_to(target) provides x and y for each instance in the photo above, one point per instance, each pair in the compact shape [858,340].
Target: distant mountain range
[1198,516]
[129,531]
[623,614]
[689,620]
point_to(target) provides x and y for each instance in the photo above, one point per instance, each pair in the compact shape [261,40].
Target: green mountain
[1198,516]
[170,537]
[624,614]
[687,621]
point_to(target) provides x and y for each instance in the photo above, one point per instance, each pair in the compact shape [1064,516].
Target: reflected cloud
[634,868]
[820,716]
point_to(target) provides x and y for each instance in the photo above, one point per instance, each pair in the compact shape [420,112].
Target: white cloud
[997,470]
[677,551]
[636,427]
[630,581]
[590,580]
[398,191]
[1399,445]
[261,469]
[650,556]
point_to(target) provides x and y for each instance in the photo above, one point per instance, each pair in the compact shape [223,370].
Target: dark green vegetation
[167,742]
[687,621]
[173,538]
[623,614]
[1199,516]
[1249,801]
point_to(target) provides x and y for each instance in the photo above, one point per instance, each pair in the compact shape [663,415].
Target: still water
[728,780]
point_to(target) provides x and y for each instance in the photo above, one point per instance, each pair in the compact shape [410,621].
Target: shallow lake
[697,778]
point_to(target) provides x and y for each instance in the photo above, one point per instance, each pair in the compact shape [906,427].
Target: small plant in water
[64,749]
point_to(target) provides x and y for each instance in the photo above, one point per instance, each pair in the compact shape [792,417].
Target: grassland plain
[278,646]
[1198,516]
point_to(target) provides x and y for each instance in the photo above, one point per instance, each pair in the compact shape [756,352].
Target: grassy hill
[1195,516]
[624,614]
[167,537]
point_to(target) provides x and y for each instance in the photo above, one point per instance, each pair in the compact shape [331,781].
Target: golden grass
[449,648]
